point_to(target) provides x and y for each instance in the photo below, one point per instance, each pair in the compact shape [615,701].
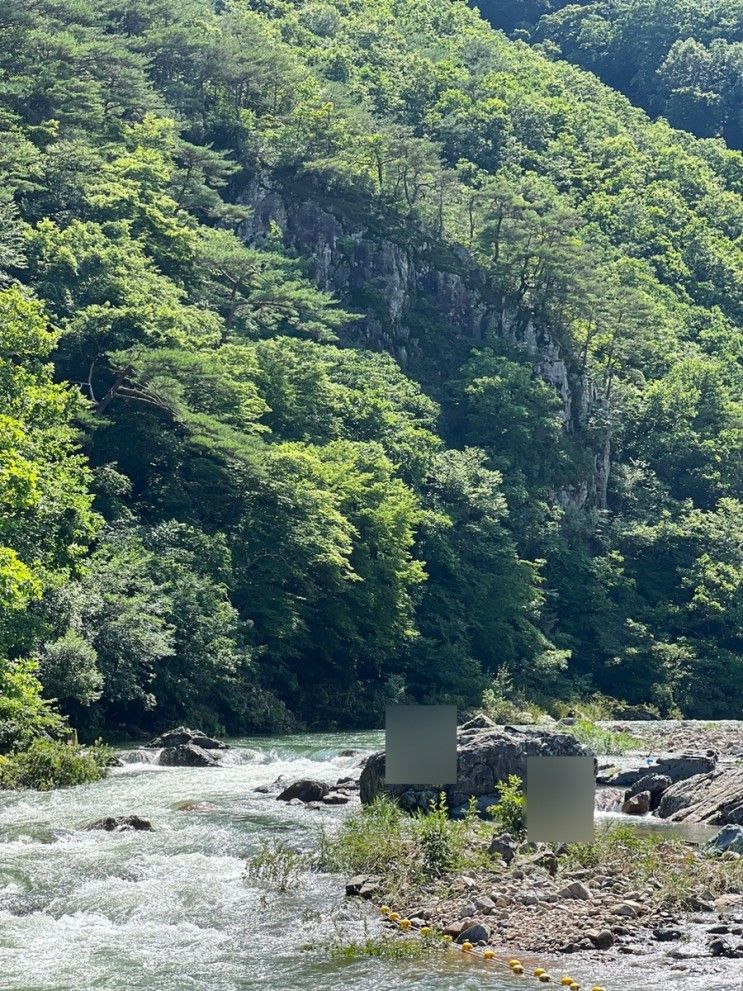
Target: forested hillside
[682,59]
[352,352]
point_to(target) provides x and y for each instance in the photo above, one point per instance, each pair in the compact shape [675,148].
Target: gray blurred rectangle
[560,799]
[421,745]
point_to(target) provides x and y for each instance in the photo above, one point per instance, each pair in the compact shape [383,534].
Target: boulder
[730,838]
[474,934]
[306,790]
[121,824]
[637,805]
[603,939]
[504,846]
[181,735]
[677,767]
[484,759]
[716,798]
[654,784]
[187,755]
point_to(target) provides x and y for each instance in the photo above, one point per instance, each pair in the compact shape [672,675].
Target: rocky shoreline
[684,906]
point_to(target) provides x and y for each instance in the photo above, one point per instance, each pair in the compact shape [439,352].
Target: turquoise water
[172,910]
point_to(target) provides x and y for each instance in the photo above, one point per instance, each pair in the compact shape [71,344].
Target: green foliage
[24,713]
[408,852]
[224,212]
[679,58]
[510,809]
[602,740]
[276,864]
[48,764]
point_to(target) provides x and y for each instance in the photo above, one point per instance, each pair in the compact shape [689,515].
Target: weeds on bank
[47,764]
[668,864]
[406,851]
[602,740]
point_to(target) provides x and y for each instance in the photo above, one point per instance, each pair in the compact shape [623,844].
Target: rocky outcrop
[716,798]
[187,755]
[181,736]
[395,278]
[675,767]
[121,824]
[652,784]
[484,759]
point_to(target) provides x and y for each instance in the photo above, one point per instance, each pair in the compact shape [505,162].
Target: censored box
[560,799]
[421,745]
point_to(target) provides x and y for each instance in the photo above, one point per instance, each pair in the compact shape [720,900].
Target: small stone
[576,889]
[666,934]
[335,798]
[602,940]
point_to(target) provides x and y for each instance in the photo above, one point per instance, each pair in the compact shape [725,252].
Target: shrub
[48,764]
[510,809]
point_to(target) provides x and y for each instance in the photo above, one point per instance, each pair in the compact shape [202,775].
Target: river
[171,910]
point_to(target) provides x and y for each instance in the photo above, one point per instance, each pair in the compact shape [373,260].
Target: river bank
[174,908]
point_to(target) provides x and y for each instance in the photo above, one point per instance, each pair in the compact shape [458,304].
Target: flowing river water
[172,910]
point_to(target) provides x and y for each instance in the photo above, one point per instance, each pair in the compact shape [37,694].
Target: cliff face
[421,306]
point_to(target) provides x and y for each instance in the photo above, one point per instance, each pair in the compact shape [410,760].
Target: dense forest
[353,352]
[682,59]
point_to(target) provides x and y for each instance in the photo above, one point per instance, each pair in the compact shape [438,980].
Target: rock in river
[637,805]
[306,790]
[187,755]
[484,758]
[120,824]
[181,736]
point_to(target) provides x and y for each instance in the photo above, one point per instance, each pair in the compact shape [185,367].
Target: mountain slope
[545,475]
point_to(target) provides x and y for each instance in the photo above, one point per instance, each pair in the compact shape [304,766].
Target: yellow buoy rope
[486,954]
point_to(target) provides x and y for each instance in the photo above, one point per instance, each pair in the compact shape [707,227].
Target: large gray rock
[187,755]
[654,784]
[306,790]
[181,735]
[677,767]
[483,760]
[729,838]
[716,798]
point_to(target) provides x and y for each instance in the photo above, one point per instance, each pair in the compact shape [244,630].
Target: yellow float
[488,954]
[405,923]
[467,946]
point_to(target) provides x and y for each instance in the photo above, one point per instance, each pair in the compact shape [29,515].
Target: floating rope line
[488,955]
